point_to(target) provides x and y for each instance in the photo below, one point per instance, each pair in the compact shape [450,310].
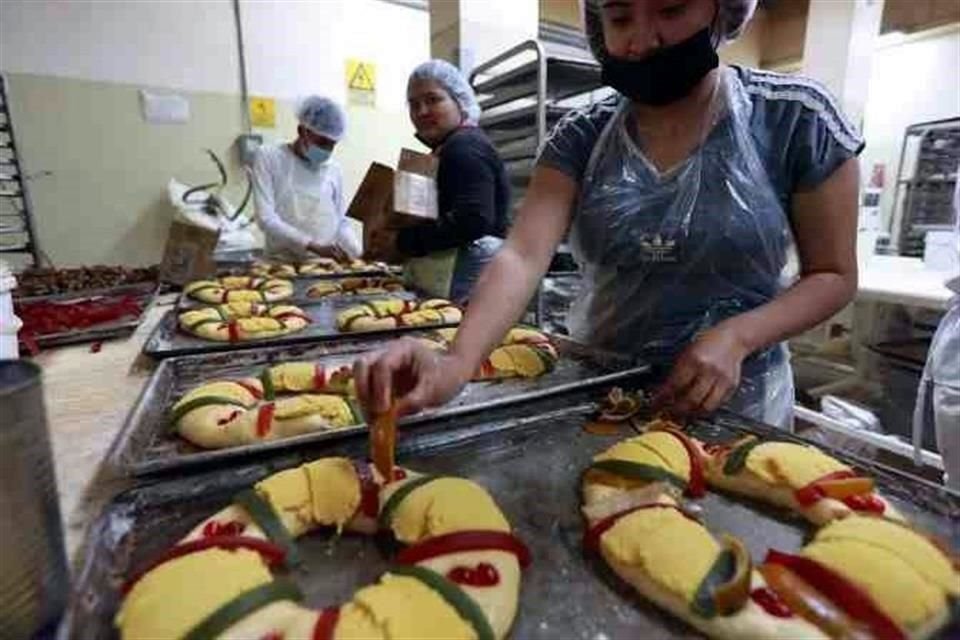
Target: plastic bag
[666,256]
[938,397]
[237,232]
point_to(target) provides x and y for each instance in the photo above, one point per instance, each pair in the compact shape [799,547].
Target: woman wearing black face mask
[682,194]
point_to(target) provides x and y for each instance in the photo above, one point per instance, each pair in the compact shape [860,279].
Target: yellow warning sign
[263,112]
[361,82]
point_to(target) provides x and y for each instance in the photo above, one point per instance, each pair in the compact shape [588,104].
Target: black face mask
[666,75]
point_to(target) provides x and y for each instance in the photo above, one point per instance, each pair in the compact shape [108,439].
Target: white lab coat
[297,205]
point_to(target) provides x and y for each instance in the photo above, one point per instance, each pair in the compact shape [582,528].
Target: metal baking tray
[531,463]
[144,293]
[167,340]
[145,445]
[244,270]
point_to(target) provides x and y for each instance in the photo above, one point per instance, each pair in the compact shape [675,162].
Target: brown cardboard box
[415,188]
[188,255]
[403,197]
[389,199]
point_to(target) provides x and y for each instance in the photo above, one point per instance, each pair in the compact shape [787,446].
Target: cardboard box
[188,254]
[389,198]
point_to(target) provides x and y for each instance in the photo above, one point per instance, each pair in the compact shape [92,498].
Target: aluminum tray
[167,339]
[143,292]
[145,445]
[244,269]
[531,463]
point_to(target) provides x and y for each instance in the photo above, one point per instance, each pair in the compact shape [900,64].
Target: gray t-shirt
[799,131]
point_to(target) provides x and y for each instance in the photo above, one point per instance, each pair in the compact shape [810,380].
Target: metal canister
[34,582]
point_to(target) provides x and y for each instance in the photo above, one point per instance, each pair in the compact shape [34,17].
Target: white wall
[913,81]
[296,48]
[179,45]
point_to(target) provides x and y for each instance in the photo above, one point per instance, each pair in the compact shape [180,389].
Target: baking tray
[244,270]
[531,463]
[144,293]
[167,340]
[145,446]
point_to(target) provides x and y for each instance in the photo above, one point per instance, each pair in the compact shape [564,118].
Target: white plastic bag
[212,211]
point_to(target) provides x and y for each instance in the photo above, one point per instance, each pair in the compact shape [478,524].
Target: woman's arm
[468,180]
[825,228]
[420,377]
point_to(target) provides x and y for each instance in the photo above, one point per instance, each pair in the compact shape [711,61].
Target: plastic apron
[452,273]
[313,212]
[667,256]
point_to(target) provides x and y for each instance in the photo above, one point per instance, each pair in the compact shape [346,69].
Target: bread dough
[243,321]
[239,289]
[176,595]
[391,313]
[355,286]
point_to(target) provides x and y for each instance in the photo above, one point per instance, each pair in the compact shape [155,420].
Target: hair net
[453,81]
[732,17]
[323,116]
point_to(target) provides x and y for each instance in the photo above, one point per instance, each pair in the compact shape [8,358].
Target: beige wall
[105,198]
[747,49]
[566,12]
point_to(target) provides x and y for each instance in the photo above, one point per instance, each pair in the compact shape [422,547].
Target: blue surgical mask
[315,155]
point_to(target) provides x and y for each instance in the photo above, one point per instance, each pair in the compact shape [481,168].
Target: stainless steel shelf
[566,77]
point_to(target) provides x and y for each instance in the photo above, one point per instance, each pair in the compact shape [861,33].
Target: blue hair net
[453,81]
[323,116]
[732,17]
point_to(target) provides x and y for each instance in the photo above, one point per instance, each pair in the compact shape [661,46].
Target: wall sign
[361,79]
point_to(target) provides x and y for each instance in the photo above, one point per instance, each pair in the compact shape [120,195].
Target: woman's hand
[706,374]
[328,251]
[410,373]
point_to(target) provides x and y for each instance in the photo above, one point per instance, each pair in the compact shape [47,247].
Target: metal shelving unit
[926,182]
[17,235]
[524,92]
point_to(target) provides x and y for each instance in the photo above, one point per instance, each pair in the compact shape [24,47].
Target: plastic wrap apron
[667,256]
[314,213]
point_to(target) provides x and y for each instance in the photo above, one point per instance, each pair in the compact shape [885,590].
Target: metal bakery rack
[523,93]
[17,235]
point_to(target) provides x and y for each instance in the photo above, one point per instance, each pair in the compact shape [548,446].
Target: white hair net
[453,81]
[732,17]
[323,116]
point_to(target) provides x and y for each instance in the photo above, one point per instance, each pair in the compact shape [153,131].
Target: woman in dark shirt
[473,193]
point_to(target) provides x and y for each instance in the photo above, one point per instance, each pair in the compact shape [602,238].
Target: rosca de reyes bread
[457,576]
[796,476]
[866,575]
[285,400]
[328,266]
[354,287]
[273,270]
[242,321]
[239,289]
[523,353]
[392,313]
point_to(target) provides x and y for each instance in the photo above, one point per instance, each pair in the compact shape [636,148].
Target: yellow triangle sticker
[361,76]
